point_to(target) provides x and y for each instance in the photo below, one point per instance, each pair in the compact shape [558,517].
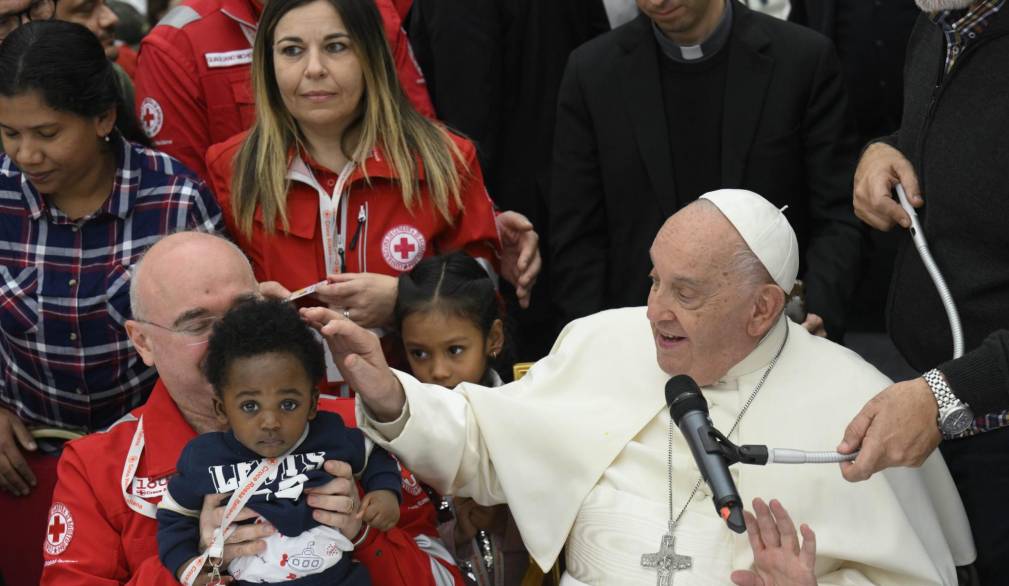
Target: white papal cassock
[577,449]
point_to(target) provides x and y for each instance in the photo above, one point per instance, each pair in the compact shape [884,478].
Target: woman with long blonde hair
[340,179]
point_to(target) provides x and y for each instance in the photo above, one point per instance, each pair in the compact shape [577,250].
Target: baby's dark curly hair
[261,326]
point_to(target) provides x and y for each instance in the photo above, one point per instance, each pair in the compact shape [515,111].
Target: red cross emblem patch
[403,247]
[151,116]
[59,529]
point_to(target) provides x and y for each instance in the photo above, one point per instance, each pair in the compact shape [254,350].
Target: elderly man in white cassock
[583,451]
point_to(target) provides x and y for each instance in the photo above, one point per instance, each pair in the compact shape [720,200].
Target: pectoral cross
[666,560]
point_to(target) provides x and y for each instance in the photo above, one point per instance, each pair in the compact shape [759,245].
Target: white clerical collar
[762,355]
[706,49]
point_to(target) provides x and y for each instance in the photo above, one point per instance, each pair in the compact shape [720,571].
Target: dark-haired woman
[81,198]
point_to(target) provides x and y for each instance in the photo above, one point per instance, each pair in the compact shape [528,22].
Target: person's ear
[140,341]
[105,123]
[219,413]
[769,302]
[495,339]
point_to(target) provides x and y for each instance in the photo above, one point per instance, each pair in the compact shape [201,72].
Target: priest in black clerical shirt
[691,96]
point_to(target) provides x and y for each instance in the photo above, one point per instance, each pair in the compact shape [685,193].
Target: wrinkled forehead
[195,296]
[697,236]
[210,310]
[193,278]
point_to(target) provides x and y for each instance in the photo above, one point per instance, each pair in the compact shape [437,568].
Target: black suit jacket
[493,69]
[816,14]
[787,134]
[871,52]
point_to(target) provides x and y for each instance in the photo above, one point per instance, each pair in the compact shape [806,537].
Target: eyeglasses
[199,329]
[37,10]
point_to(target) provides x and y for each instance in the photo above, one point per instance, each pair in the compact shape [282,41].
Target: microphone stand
[716,443]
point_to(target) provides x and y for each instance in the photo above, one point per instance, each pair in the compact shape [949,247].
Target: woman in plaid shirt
[81,198]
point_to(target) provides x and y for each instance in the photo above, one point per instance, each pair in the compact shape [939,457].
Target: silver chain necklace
[666,560]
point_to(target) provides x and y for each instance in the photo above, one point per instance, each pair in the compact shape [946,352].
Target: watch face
[957,421]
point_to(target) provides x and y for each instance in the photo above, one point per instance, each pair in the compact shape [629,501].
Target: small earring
[107,139]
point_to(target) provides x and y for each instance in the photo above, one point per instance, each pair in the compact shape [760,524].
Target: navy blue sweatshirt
[216,463]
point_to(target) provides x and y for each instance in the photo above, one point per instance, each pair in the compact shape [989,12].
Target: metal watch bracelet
[954,416]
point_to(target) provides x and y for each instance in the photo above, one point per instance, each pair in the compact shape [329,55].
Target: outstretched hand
[778,559]
[358,354]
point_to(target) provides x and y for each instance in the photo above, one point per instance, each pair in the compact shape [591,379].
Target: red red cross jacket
[93,538]
[193,82]
[378,233]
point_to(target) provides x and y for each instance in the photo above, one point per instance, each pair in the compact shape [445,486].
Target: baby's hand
[380,509]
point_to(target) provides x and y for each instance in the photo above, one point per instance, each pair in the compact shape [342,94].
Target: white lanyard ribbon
[215,549]
[136,503]
[333,242]
[329,206]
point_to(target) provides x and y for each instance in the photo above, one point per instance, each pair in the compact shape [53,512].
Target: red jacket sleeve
[96,554]
[475,229]
[411,78]
[411,553]
[171,109]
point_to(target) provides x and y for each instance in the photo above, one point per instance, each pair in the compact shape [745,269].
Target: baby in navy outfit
[263,363]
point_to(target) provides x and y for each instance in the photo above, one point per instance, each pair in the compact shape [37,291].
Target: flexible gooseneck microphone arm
[918,236]
[716,443]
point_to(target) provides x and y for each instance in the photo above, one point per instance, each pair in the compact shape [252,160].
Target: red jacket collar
[166,432]
[244,11]
[376,165]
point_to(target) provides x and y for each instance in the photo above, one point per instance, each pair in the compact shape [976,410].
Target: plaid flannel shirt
[962,27]
[65,359]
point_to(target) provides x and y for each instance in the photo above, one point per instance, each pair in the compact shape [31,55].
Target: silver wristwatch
[955,416]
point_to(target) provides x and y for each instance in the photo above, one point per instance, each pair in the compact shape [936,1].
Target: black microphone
[689,410]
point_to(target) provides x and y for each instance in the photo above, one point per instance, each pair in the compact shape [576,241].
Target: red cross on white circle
[405,248]
[152,116]
[57,527]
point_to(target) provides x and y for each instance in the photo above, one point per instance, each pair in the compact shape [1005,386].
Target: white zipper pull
[362,250]
[361,217]
[338,192]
